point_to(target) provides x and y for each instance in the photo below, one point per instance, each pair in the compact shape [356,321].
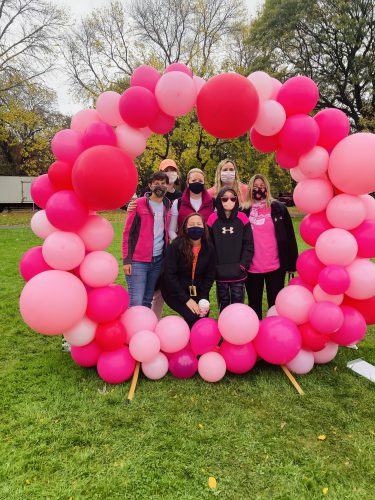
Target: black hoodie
[233,240]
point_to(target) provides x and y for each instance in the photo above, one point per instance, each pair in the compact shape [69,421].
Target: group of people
[176,244]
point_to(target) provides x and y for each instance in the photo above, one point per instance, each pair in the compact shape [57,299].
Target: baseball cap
[167,163]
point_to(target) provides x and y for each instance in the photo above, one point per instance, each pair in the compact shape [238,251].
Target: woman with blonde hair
[227,177]
[275,245]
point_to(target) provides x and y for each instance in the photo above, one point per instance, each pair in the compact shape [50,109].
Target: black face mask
[259,193]
[196,187]
[195,233]
[159,191]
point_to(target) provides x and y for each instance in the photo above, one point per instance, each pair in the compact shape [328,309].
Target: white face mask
[227,176]
[172,176]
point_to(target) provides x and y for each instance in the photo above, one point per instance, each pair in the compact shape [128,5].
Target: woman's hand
[193,306]
[128,269]
[132,205]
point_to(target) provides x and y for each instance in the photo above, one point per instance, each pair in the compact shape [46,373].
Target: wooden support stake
[292,379]
[134,382]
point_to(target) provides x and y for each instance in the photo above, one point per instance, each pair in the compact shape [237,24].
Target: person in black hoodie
[189,269]
[231,234]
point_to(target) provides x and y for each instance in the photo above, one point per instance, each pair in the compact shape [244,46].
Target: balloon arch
[70,286]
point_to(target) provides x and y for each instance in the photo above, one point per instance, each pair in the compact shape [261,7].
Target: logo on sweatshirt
[229,230]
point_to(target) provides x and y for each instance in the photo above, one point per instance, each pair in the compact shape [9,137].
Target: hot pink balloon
[183,364]
[299,135]
[321,296]
[271,118]
[312,226]
[299,94]
[63,250]
[313,195]
[309,266]
[179,67]
[336,246]
[40,225]
[138,107]
[285,159]
[326,317]
[369,203]
[176,93]
[333,125]
[144,345]
[327,354]
[145,76]
[83,119]
[303,363]
[362,279]
[162,123]
[263,143]
[82,333]
[278,340]
[107,107]
[104,304]
[334,279]
[294,302]
[115,367]
[99,133]
[130,140]
[32,263]
[264,86]
[173,333]
[138,318]
[67,145]
[122,296]
[52,302]
[65,211]
[346,211]
[314,163]
[157,368]
[204,335]
[353,329]
[97,233]
[41,190]
[98,269]
[365,237]
[87,355]
[211,366]
[246,320]
[238,358]
[299,281]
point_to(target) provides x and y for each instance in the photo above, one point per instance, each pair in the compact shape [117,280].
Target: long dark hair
[186,244]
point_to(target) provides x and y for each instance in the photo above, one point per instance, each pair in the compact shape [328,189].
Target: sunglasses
[224,199]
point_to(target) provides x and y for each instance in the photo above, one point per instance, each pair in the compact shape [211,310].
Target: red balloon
[285,159]
[309,266]
[60,175]
[227,106]
[162,123]
[263,143]
[365,236]
[138,107]
[333,125]
[312,226]
[41,190]
[365,307]
[111,335]
[311,339]
[104,178]
[298,95]
[299,135]
[238,358]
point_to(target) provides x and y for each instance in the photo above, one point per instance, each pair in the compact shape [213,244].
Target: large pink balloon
[299,135]
[107,106]
[294,302]
[138,318]
[82,333]
[211,366]
[104,304]
[334,279]
[97,233]
[314,163]
[313,195]
[298,95]
[32,263]
[63,250]
[176,93]
[131,140]
[312,226]
[173,333]
[87,355]
[352,164]
[65,211]
[83,119]
[157,368]
[362,279]
[278,340]
[336,246]
[98,269]
[353,329]
[41,190]
[365,237]
[238,358]
[303,363]
[346,211]
[145,76]
[67,145]
[204,335]
[246,321]
[99,133]
[114,367]
[326,317]
[333,125]
[52,302]
[138,106]
[271,118]
[183,364]
[144,346]
[40,225]
[327,354]
[309,266]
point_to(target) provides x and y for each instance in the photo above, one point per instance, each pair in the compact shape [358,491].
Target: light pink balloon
[67,145]
[114,367]
[145,76]
[98,268]
[351,164]
[176,93]
[199,82]
[40,225]
[362,279]
[271,118]
[138,318]
[157,368]
[263,84]
[173,333]
[276,87]
[320,295]
[326,317]
[87,355]
[107,107]
[63,250]
[53,302]
[97,233]
[144,346]
[327,354]
[369,203]
[346,211]
[314,163]
[246,321]
[272,311]
[146,131]
[130,140]
[303,363]
[211,366]
[294,302]
[313,195]
[83,119]
[296,174]
[336,246]
[82,333]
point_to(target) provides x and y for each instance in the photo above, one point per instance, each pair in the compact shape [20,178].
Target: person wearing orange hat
[170,168]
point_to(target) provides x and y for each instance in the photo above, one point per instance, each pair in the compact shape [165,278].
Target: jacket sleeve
[171,273]
[127,250]
[247,246]
[209,276]
[292,242]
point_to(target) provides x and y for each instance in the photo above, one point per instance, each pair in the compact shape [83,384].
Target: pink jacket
[138,235]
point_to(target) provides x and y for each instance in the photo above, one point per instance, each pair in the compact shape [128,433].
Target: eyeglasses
[224,199]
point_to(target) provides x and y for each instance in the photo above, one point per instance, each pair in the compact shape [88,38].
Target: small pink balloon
[314,163]
[296,174]
[65,211]
[263,84]
[147,132]
[82,333]
[63,250]
[313,195]
[176,93]
[138,318]
[97,233]
[294,302]
[144,346]
[52,302]
[211,366]
[333,125]
[204,335]
[179,67]
[309,266]
[246,320]
[67,145]
[299,135]
[365,237]
[362,279]
[312,226]
[145,76]
[336,246]
[353,329]
[272,311]
[303,363]
[98,268]
[263,143]
[369,203]
[276,87]
[157,368]
[115,367]
[238,358]
[183,364]
[346,211]
[299,281]
[40,225]
[199,83]
[334,279]
[162,123]
[299,94]
[326,317]
[173,333]
[83,119]
[104,304]
[99,133]
[271,118]
[286,159]
[327,354]
[321,296]
[138,107]
[107,107]
[41,190]
[130,140]
[87,355]
[32,263]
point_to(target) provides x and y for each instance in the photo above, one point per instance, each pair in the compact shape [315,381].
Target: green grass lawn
[65,434]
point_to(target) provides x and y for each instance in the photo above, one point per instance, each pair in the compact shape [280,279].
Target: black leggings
[182,309]
[275,281]
[229,293]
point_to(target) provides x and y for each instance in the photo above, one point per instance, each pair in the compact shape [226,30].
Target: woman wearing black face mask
[275,246]
[189,269]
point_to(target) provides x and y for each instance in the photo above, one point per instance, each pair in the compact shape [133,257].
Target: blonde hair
[249,193]
[194,171]
[218,182]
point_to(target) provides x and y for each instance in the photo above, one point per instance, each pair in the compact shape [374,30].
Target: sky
[80,8]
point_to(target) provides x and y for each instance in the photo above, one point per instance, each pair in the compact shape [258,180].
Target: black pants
[182,309]
[275,281]
[229,293]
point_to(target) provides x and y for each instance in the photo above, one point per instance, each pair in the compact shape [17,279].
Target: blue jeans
[142,281]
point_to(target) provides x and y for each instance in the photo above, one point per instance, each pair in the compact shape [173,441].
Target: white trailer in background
[15,190]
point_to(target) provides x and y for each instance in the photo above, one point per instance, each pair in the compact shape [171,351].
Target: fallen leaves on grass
[322,437]
[325,491]
[212,483]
